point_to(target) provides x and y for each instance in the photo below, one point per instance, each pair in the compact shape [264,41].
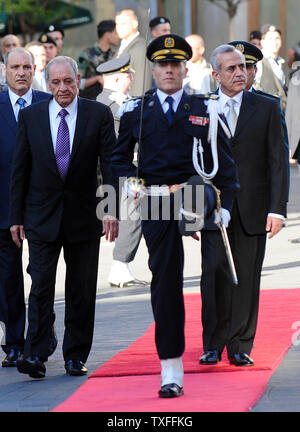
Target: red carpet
[204,389]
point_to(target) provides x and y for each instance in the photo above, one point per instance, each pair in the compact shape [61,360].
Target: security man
[171,122]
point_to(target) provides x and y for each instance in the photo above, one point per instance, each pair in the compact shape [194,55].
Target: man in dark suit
[53,202]
[172,121]
[134,44]
[260,205]
[19,71]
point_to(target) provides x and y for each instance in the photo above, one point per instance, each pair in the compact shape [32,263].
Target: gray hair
[61,59]
[19,50]
[222,49]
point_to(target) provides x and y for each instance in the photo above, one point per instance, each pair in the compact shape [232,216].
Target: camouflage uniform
[88,61]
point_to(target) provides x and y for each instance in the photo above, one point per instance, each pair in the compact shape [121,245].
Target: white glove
[223,216]
[136,194]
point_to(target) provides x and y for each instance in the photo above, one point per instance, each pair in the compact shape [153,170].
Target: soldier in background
[90,58]
[255,38]
[159,26]
[50,46]
[57,34]
[117,77]
[270,75]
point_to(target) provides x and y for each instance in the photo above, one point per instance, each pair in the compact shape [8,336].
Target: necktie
[170,111]
[231,116]
[21,103]
[63,145]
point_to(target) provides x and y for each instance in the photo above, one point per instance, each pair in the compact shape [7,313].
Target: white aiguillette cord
[214,118]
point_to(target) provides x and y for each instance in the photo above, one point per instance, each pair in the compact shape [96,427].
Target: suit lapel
[248,109]
[7,111]
[44,122]
[82,118]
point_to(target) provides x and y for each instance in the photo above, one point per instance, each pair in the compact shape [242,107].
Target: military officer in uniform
[117,77]
[171,122]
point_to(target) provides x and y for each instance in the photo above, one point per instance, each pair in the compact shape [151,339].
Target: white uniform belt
[164,190]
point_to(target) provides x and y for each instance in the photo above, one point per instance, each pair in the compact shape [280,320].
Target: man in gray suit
[135,45]
[118,76]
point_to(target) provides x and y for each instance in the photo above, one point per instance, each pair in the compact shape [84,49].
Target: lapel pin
[187,107]
[151,103]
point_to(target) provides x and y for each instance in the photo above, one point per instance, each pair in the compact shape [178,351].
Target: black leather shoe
[11,358]
[32,365]
[75,368]
[241,359]
[210,357]
[170,391]
[52,341]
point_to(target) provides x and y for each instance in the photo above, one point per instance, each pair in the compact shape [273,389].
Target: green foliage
[28,16]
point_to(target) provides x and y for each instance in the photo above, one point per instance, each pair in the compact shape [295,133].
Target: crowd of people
[158,99]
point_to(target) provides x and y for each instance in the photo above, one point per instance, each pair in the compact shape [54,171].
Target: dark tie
[63,145]
[21,103]
[170,111]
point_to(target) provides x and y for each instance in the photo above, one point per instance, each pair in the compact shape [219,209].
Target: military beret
[53,27]
[45,38]
[269,28]
[120,64]
[169,48]
[251,53]
[158,20]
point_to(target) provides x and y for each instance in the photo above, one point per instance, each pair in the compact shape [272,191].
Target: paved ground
[123,315]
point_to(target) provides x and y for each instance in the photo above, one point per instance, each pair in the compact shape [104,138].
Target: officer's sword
[226,241]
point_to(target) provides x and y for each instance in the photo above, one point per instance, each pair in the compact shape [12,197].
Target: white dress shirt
[54,109]
[162,98]
[14,98]
[223,99]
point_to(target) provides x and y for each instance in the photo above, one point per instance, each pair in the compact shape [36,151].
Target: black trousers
[216,296]
[248,254]
[12,304]
[80,293]
[166,261]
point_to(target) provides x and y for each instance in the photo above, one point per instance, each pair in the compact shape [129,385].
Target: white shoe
[120,275]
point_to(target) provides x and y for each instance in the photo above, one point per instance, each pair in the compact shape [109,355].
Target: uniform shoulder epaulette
[212,96]
[132,98]
[263,93]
